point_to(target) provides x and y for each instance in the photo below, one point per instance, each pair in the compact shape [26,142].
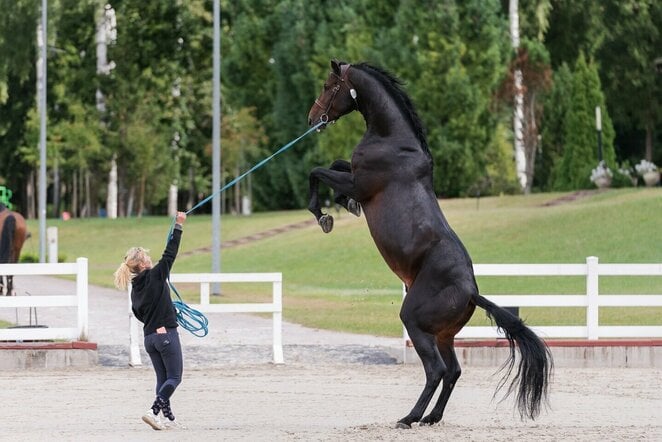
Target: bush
[624,176]
[28,257]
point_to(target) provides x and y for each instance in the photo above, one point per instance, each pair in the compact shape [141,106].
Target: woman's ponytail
[122,275]
[131,266]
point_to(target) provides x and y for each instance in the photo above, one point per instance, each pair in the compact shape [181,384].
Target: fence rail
[79,300]
[205,280]
[591,300]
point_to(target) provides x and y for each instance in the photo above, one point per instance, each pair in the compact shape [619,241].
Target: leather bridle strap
[343,80]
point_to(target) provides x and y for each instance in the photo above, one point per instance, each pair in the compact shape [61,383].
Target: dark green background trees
[454,57]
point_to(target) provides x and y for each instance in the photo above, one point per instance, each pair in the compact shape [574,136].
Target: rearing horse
[13,232]
[390,178]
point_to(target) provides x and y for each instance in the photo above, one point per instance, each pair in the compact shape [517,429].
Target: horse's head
[338,97]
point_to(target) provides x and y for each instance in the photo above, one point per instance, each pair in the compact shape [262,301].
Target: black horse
[390,178]
[13,232]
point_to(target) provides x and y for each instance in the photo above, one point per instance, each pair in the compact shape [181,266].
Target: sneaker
[173,425]
[153,420]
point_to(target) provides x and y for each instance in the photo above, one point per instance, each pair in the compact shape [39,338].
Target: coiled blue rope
[189,318]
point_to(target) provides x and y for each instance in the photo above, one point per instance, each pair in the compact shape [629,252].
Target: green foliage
[28,257]
[580,154]
[453,56]
[632,84]
[557,103]
[500,168]
[453,60]
[575,27]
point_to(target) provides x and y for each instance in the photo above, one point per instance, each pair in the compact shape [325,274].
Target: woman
[151,304]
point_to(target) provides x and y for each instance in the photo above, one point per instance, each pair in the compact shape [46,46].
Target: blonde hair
[130,267]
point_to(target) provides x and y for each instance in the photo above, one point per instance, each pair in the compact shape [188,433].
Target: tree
[242,139]
[453,57]
[580,154]
[531,63]
[518,98]
[17,95]
[557,103]
[627,58]
[156,82]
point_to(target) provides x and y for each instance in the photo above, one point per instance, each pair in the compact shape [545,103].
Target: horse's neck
[381,113]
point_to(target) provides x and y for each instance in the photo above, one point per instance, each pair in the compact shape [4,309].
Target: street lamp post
[42,133]
[216,146]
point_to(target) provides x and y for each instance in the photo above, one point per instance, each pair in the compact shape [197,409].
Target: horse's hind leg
[434,366]
[453,372]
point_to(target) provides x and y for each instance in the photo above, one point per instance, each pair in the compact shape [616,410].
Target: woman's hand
[181,217]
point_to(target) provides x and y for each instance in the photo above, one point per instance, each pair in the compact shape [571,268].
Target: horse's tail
[6,238]
[531,380]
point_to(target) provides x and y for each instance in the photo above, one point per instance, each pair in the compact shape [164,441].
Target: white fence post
[51,236]
[81,294]
[134,336]
[278,321]
[592,293]
[204,293]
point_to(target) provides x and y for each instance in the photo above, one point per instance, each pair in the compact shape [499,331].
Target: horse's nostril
[310,121]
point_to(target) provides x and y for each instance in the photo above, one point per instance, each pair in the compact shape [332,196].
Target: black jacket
[150,295]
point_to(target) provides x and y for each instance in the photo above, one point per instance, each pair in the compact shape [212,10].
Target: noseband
[342,80]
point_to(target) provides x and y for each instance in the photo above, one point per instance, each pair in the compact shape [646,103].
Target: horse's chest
[372,172]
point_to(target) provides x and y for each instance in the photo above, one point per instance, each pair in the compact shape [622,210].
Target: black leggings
[165,351]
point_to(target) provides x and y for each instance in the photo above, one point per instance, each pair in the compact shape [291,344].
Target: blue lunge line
[189,318]
[254,168]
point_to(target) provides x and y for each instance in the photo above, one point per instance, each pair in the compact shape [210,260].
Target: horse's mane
[394,86]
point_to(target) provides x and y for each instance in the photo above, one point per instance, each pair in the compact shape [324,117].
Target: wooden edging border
[74,345]
[566,343]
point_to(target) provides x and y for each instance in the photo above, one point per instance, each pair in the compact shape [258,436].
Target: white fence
[205,280]
[591,300]
[79,300]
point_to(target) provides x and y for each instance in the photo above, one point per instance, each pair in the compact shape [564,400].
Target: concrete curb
[47,355]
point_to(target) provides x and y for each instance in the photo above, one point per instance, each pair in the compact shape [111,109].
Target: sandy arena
[323,403]
[332,387]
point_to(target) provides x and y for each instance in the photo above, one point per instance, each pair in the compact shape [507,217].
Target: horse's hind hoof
[354,207]
[326,223]
[402,426]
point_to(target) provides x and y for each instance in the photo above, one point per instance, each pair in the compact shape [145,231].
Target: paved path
[232,338]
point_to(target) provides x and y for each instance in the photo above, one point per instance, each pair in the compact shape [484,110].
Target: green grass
[339,281]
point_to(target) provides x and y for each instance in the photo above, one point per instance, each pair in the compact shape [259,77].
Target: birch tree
[518,109]
[107,34]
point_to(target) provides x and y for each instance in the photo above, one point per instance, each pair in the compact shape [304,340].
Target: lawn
[339,281]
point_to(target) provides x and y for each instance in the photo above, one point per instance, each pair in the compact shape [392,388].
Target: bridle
[341,80]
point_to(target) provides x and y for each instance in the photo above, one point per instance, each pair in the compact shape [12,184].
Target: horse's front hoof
[354,207]
[326,223]
[402,426]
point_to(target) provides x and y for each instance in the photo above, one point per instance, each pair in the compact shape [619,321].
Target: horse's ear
[335,66]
